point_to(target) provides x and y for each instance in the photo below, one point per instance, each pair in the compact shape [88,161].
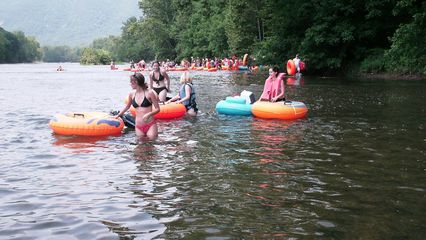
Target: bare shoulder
[132,94]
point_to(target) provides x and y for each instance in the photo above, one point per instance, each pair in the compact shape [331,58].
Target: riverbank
[391,76]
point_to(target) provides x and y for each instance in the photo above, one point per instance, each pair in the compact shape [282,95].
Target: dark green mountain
[70,22]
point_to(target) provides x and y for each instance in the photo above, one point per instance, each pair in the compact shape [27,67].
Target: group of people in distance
[146,98]
[226,63]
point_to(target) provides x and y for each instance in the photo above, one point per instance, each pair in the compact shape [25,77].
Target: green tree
[61,54]
[95,56]
[17,48]
[110,44]
[159,16]
[133,43]
[406,55]
[241,25]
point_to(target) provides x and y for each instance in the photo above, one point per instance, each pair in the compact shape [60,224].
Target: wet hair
[156,62]
[276,70]
[140,80]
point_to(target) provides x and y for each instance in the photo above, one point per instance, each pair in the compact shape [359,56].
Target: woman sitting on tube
[274,89]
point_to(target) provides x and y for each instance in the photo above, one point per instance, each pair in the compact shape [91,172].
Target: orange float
[172,110]
[177,69]
[291,67]
[86,124]
[180,69]
[167,111]
[288,110]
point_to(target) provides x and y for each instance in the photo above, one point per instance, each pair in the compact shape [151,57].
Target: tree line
[17,48]
[330,35]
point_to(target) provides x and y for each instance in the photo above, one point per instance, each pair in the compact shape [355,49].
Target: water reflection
[358,156]
[153,184]
[80,144]
[145,151]
[297,80]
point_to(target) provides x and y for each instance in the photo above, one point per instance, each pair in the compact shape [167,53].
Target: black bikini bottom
[160,89]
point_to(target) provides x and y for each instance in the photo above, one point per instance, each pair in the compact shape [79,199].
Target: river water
[355,168]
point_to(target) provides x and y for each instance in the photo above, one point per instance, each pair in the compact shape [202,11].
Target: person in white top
[296,61]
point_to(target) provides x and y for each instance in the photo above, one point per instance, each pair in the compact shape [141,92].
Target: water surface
[354,168]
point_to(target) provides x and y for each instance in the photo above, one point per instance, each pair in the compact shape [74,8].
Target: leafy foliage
[408,51]
[332,36]
[17,48]
[95,56]
[61,54]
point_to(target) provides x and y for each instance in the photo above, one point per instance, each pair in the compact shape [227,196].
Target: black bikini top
[160,78]
[145,102]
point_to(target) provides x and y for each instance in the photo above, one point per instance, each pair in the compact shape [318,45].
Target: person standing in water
[296,61]
[145,102]
[159,81]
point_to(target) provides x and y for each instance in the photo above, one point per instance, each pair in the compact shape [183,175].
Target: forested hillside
[330,35]
[71,22]
[18,48]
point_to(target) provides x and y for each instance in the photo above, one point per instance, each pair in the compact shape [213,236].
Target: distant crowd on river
[231,63]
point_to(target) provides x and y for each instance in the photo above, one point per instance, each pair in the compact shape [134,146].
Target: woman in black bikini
[146,105]
[159,81]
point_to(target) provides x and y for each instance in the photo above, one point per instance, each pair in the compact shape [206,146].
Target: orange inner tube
[167,111]
[291,67]
[86,124]
[171,110]
[279,110]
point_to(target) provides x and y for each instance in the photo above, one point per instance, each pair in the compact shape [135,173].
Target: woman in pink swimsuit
[274,89]
[145,102]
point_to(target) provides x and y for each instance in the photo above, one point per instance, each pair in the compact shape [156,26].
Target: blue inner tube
[234,106]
